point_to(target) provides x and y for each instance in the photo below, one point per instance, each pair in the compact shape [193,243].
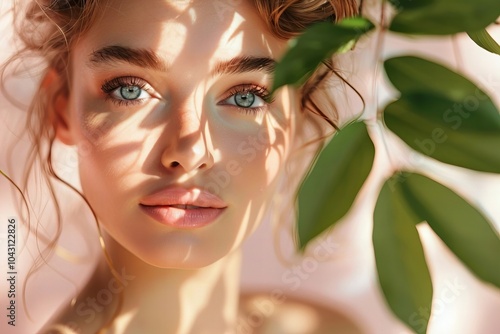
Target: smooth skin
[173,94]
[183,119]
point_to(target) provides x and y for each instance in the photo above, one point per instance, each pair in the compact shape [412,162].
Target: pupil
[244,100]
[130,92]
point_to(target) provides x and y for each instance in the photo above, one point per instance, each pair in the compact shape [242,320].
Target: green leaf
[317,43]
[408,4]
[401,266]
[444,17]
[462,227]
[411,74]
[330,189]
[484,40]
[430,125]
[443,115]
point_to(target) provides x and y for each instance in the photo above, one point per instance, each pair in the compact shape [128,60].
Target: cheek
[116,157]
[111,152]
[254,160]
[110,141]
[106,177]
[97,122]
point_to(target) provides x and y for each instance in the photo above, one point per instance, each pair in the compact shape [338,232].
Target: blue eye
[246,100]
[126,90]
[249,97]
[130,92]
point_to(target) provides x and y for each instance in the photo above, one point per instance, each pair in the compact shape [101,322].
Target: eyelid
[111,85]
[258,90]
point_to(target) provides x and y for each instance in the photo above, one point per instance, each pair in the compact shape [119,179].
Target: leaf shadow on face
[166,123]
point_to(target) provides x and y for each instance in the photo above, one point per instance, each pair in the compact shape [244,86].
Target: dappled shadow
[183,139]
[266,313]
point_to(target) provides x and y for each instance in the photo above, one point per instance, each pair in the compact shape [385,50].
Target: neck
[157,300]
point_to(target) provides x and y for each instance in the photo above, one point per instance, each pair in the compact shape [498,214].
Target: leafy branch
[438,113]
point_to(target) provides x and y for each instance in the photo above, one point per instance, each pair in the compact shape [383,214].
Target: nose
[186,144]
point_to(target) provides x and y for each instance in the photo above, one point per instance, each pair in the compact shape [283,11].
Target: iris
[244,100]
[130,92]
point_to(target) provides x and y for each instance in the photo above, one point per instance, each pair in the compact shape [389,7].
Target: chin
[189,263]
[182,252]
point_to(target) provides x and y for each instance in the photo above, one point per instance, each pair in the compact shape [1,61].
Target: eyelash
[109,86]
[259,91]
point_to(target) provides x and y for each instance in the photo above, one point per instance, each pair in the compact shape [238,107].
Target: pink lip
[183,208]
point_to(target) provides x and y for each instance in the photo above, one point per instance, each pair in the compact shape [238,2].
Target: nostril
[175,164]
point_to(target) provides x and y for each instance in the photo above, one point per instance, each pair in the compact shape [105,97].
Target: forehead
[197,31]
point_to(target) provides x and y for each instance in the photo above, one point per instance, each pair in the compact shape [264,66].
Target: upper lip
[183,196]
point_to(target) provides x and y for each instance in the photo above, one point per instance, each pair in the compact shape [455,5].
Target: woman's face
[179,147]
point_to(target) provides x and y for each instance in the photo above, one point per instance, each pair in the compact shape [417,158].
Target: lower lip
[182,218]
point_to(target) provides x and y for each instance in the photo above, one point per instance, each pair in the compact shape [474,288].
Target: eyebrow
[140,57]
[245,64]
[146,58]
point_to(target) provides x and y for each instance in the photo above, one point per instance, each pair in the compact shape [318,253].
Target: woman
[181,147]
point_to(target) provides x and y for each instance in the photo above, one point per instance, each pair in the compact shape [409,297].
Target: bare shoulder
[84,314]
[70,320]
[276,313]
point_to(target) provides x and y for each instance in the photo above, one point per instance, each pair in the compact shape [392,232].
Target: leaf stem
[456,53]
